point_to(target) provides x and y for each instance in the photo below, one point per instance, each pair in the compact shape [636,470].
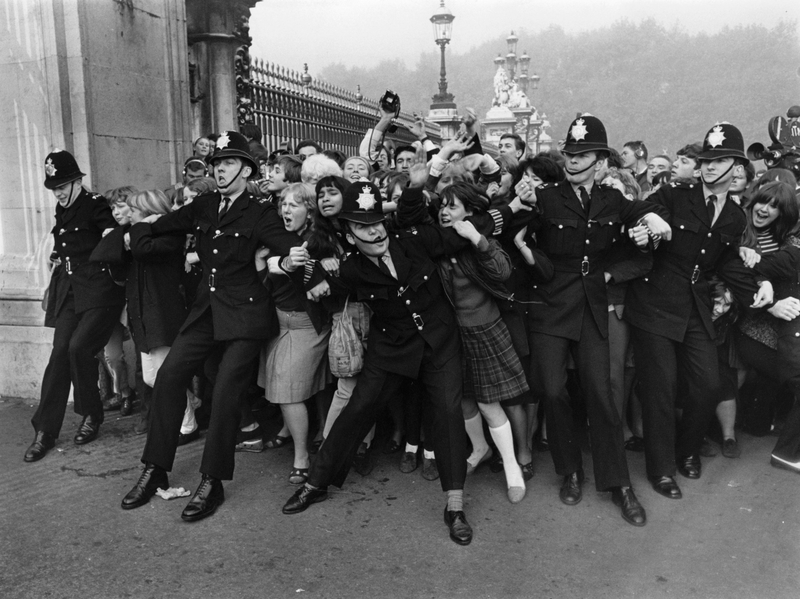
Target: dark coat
[782,268]
[156,303]
[580,249]
[412,310]
[662,302]
[241,307]
[77,232]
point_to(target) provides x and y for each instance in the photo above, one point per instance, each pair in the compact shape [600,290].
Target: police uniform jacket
[153,269]
[412,310]
[78,229]
[579,246]
[241,307]
[662,302]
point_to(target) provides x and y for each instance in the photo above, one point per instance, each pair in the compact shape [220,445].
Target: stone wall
[106,80]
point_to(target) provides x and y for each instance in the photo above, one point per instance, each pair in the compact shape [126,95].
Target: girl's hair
[782,196]
[473,198]
[544,167]
[119,194]
[323,242]
[628,181]
[511,165]
[337,156]
[303,194]
[336,181]
[393,179]
[458,172]
[202,185]
[777,174]
[662,177]
[291,166]
[317,166]
[150,202]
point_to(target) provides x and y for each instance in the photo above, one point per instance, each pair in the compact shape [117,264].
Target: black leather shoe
[460,530]
[304,497]
[205,501]
[632,510]
[362,463]
[784,464]
[571,492]
[666,486]
[40,446]
[88,430]
[689,466]
[189,437]
[152,478]
[126,409]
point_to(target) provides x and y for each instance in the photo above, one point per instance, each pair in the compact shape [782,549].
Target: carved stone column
[216,30]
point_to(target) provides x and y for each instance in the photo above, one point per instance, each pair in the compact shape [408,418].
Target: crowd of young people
[539,298]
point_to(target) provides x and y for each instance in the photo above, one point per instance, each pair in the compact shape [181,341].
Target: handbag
[345,351]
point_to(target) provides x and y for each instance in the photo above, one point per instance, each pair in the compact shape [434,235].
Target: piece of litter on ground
[300,591]
[734,484]
[746,509]
[172,493]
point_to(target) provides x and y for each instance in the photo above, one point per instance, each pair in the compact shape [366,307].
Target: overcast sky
[364,32]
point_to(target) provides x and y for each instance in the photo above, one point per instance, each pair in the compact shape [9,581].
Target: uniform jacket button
[408,302]
[213,270]
[213,289]
[425,278]
[215,251]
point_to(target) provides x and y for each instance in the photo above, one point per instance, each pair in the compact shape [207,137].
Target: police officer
[670,309]
[576,225]
[413,334]
[230,314]
[83,306]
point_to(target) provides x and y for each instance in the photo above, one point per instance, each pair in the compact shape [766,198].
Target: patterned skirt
[294,365]
[492,370]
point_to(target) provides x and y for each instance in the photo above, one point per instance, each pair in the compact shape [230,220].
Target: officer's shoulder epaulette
[682,184]
[544,186]
[406,233]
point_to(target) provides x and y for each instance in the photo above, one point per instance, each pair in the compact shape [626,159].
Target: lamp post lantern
[442,30]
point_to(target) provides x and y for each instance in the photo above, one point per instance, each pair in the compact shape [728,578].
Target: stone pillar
[107,81]
[216,29]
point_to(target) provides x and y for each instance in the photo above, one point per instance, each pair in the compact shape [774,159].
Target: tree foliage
[644,81]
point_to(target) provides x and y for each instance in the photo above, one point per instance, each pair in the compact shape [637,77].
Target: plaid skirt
[492,370]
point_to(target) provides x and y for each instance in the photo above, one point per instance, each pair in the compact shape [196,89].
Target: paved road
[62,533]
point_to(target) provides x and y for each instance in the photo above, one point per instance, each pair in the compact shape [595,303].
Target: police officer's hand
[317,293]
[418,172]
[639,235]
[786,309]
[261,258]
[765,295]
[749,256]
[658,227]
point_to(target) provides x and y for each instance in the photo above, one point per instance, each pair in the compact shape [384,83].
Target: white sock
[428,455]
[505,445]
[480,447]
[411,448]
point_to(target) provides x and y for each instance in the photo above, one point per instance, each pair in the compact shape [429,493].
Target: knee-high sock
[474,428]
[505,445]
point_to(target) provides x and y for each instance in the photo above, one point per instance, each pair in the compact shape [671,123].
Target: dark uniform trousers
[76,341]
[187,355]
[441,386]
[658,359]
[549,367]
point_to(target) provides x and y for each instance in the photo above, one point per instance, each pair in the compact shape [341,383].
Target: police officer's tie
[223,207]
[585,198]
[383,264]
[711,205]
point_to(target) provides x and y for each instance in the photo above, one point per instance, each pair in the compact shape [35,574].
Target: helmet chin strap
[591,164]
[376,242]
[714,182]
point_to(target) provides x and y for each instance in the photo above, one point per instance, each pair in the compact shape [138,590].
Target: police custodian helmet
[60,167]
[586,134]
[723,140]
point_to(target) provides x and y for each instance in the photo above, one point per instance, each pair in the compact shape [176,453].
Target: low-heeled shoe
[88,430]
[632,511]
[666,486]
[430,471]
[304,497]
[205,501]
[690,466]
[408,462]
[183,439]
[460,530]
[151,479]
[571,492]
[43,443]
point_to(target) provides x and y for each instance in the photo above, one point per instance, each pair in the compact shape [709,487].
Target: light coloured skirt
[294,365]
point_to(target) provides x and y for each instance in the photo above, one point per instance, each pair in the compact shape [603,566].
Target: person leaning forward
[232,313]
[413,334]
[577,224]
[83,305]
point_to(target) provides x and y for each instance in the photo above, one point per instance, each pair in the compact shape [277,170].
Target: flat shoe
[571,492]
[516,494]
[630,508]
[87,431]
[460,530]
[408,463]
[484,458]
[277,441]
[40,446]
[730,448]
[303,498]
[430,471]
[690,466]
[666,486]
[392,447]
[634,443]
[205,501]
[183,439]
[298,476]
[527,471]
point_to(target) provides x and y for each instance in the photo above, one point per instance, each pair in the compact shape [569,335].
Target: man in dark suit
[670,310]
[413,334]
[231,313]
[83,305]
[576,224]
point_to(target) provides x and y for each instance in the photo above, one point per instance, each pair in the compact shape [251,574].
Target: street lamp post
[442,30]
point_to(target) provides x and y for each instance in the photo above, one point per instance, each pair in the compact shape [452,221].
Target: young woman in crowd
[285,170]
[293,366]
[356,168]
